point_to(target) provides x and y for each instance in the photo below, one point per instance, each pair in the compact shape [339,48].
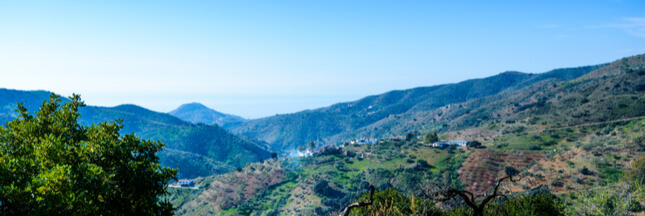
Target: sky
[261,58]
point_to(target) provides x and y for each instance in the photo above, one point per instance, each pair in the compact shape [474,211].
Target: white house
[440,144]
[186,183]
[458,143]
[451,144]
[364,140]
[306,153]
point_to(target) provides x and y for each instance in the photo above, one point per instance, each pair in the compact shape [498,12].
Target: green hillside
[198,113]
[365,117]
[197,150]
[572,134]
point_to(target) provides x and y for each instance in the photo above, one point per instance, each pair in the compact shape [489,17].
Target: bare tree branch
[349,208]
[469,198]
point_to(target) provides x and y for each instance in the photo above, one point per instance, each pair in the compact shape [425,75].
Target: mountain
[196,149]
[198,113]
[365,117]
[565,131]
[30,99]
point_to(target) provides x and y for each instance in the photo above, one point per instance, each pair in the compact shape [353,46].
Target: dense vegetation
[575,136]
[195,149]
[52,165]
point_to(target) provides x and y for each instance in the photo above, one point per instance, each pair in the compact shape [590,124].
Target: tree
[409,136]
[50,164]
[474,144]
[302,148]
[311,145]
[274,155]
[471,199]
[511,171]
[431,138]
[390,202]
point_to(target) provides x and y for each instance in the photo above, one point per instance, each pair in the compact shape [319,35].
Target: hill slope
[197,150]
[564,134]
[198,113]
[344,121]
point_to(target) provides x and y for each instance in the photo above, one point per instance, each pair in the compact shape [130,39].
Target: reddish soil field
[483,168]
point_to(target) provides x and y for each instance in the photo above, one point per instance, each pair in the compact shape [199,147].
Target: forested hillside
[403,108]
[197,150]
[575,142]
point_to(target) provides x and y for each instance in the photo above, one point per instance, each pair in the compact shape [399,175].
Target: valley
[563,131]
[565,134]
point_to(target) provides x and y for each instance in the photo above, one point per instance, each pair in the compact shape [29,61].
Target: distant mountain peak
[196,112]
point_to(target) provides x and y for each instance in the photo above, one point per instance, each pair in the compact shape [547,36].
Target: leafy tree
[274,155]
[409,136]
[511,171]
[311,145]
[431,137]
[586,171]
[51,165]
[474,144]
[302,148]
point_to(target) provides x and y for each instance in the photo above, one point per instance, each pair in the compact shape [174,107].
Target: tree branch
[349,208]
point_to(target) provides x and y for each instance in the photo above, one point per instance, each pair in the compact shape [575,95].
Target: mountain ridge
[290,130]
[198,113]
[218,150]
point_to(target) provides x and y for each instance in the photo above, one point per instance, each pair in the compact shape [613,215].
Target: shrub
[637,174]
[391,202]
[586,171]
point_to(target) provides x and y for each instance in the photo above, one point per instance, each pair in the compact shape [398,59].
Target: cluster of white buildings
[364,140]
[451,144]
[306,153]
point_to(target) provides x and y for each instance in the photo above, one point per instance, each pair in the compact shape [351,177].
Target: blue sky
[259,58]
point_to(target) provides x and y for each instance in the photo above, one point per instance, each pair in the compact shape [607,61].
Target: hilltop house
[459,143]
[364,140]
[397,139]
[451,144]
[440,144]
[186,183]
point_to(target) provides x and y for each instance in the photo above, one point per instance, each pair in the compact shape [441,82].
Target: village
[442,144]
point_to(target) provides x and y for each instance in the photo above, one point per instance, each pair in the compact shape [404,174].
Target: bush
[511,171]
[537,203]
[637,174]
[391,202]
[586,171]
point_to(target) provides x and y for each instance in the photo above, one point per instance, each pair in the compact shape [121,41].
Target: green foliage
[274,155]
[586,171]
[616,199]
[511,171]
[637,174]
[537,204]
[474,144]
[196,150]
[311,145]
[391,202]
[50,164]
[431,138]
